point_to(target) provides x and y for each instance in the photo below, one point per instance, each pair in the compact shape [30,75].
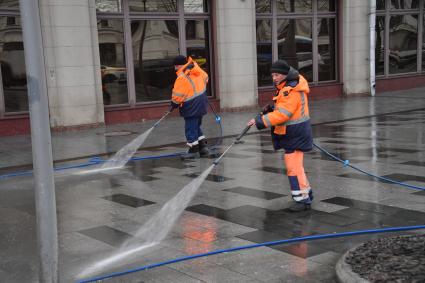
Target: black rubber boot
[192,153]
[310,195]
[300,206]
[203,149]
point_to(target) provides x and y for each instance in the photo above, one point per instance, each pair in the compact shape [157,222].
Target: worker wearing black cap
[190,95]
[289,120]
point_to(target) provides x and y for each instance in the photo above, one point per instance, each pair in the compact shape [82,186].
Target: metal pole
[45,201]
[372,46]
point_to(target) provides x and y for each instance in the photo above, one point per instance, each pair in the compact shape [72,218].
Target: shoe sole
[306,208]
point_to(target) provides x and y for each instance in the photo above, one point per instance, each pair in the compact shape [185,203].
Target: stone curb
[345,274]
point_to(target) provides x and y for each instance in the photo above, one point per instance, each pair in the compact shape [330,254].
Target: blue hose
[347,164]
[97,160]
[273,243]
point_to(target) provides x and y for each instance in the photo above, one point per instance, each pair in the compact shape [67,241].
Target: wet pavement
[243,201]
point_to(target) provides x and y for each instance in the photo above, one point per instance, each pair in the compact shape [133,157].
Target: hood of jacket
[295,80]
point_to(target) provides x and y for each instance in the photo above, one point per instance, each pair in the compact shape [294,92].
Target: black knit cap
[180,60]
[280,67]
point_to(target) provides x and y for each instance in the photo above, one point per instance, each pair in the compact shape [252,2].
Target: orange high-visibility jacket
[190,90]
[290,117]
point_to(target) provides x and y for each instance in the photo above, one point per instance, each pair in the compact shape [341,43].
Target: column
[72,62]
[355,47]
[236,53]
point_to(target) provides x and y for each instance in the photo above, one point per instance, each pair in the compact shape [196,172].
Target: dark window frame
[181,17]
[387,13]
[9,13]
[314,16]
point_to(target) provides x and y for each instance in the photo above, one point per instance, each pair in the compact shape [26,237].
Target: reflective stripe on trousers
[296,175]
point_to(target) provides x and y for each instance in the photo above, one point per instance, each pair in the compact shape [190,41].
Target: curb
[345,274]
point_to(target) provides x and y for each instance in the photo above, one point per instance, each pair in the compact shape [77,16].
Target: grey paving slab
[243,202]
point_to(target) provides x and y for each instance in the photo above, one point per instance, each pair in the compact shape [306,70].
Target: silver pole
[45,202]
[372,44]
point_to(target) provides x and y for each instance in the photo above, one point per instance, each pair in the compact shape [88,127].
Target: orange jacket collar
[281,85]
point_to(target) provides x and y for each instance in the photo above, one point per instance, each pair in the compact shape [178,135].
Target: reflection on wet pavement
[243,200]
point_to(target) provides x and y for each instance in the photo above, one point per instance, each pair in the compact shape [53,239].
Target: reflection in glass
[195,6]
[379,45]
[197,44]
[326,5]
[155,44]
[110,6]
[326,48]
[403,43]
[264,52]
[291,6]
[12,63]
[380,4]
[404,4]
[9,4]
[112,61]
[153,6]
[262,6]
[294,38]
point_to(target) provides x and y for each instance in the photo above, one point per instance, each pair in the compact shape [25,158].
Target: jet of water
[124,154]
[155,230]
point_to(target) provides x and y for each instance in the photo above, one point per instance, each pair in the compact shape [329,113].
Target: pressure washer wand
[162,118]
[235,142]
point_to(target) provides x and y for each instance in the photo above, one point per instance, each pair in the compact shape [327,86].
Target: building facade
[110,61]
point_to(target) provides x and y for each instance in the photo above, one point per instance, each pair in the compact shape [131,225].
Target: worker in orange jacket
[190,96]
[289,120]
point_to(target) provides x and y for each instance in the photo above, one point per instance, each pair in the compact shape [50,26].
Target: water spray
[124,154]
[237,140]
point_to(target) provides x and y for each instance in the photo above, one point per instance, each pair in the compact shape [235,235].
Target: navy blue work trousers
[192,127]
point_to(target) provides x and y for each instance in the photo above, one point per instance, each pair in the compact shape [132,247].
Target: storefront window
[108,6]
[294,6]
[380,4]
[313,54]
[326,49]
[12,61]
[155,44]
[399,53]
[195,6]
[112,60]
[264,52]
[137,56]
[403,44]
[263,6]
[404,4]
[326,6]
[379,45]
[9,4]
[294,38]
[169,6]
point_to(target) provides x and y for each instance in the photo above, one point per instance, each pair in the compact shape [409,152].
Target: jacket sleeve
[180,92]
[283,111]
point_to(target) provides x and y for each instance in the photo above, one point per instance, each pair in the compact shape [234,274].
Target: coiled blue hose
[347,164]
[272,243]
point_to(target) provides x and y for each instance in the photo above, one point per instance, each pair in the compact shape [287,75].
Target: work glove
[173,106]
[268,108]
[259,122]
